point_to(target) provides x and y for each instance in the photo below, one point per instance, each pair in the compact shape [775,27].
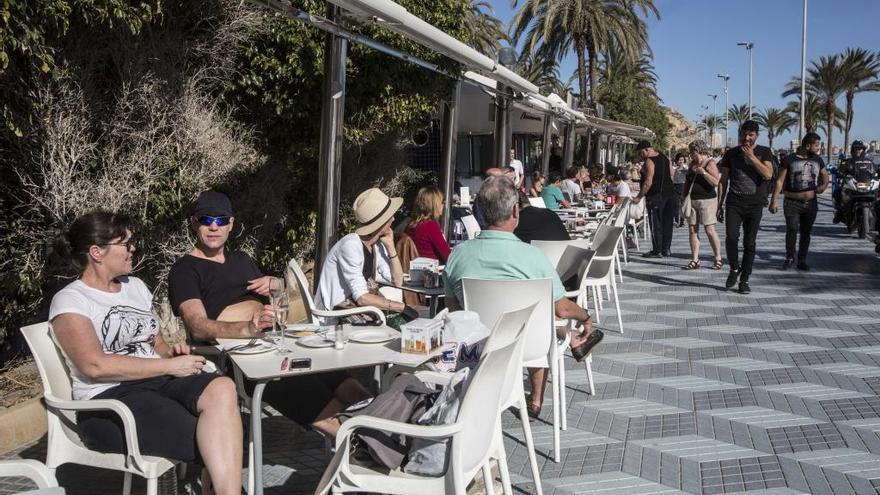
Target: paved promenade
[707,391]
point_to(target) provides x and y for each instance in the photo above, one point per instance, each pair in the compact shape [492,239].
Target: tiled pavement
[707,391]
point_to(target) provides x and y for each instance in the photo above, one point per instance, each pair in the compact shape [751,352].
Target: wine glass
[280,300]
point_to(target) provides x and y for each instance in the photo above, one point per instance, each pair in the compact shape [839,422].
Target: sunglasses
[207,220]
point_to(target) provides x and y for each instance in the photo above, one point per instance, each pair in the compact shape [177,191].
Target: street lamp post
[725,77]
[749,45]
[803,72]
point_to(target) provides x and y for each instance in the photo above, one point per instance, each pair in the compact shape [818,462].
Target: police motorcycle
[858,184]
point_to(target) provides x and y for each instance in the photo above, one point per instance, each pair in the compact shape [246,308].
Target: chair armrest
[336,313]
[133,454]
[434,377]
[406,429]
[33,470]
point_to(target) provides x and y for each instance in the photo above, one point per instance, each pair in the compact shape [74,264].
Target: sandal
[693,265]
[717,265]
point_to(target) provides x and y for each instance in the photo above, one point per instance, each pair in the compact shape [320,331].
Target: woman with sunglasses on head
[104,323]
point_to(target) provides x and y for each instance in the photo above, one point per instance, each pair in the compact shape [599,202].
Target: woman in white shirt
[104,324]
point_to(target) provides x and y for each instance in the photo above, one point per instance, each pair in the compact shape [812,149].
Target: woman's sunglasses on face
[207,220]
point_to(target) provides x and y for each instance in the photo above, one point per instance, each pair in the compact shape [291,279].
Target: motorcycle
[858,198]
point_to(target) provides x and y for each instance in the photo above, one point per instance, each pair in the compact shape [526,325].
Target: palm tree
[738,114]
[827,83]
[482,30]
[776,121]
[556,27]
[812,111]
[542,72]
[615,65]
[710,123]
[860,70]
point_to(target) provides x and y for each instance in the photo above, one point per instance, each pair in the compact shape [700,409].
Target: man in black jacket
[746,171]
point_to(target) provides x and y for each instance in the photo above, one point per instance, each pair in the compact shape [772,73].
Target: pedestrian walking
[679,174]
[657,189]
[746,171]
[802,176]
[699,191]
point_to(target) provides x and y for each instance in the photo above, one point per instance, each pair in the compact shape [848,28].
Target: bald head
[494,172]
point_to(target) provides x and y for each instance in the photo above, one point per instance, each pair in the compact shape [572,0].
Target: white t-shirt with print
[518,168]
[571,187]
[123,322]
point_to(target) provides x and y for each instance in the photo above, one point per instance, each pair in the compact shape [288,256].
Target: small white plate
[315,341]
[372,335]
[299,330]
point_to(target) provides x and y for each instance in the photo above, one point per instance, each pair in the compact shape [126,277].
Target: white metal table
[266,367]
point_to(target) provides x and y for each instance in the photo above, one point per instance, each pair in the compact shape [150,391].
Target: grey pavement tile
[844,471]
[639,365]
[851,376]
[790,353]
[745,371]
[694,393]
[829,338]
[819,401]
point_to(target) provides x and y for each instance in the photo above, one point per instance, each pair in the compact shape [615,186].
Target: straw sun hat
[372,208]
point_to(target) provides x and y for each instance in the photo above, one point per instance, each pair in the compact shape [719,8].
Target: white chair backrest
[55,375]
[471,227]
[605,241]
[537,202]
[492,382]
[491,298]
[575,261]
[53,369]
[553,249]
[464,196]
[302,283]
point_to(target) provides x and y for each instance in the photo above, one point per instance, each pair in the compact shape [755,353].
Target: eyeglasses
[207,220]
[130,245]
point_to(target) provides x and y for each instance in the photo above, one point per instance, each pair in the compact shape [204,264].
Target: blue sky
[696,39]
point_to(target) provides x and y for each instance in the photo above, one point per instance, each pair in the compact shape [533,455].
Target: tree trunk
[829,121]
[580,47]
[850,96]
[770,139]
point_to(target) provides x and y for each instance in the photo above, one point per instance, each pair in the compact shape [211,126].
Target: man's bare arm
[649,180]
[824,180]
[200,327]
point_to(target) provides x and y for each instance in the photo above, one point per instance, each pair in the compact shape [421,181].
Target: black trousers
[748,217]
[661,214]
[799,219]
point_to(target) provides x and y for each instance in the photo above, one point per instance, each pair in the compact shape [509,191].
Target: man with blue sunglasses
[221,293]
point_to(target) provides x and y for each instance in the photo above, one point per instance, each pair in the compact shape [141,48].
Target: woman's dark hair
[91,229]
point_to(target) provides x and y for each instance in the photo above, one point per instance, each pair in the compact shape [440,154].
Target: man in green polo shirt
[496,253]
[552,193]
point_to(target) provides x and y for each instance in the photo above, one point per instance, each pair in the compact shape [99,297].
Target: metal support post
[545,146]
[568,149]
[502,125]
[450,143]
[330,156]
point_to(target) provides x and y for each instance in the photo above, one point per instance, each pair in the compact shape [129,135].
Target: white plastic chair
[553,249]
[472,438]
[576,260]
[599,237]
[538,202]
[471,227]
[622,220]
[601,272]
[302,283]
[490,299]
[64,443]
[35,471]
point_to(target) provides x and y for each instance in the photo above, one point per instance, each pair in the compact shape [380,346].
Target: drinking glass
[280,305]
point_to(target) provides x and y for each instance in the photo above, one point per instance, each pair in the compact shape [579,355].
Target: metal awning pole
[450,144]
[568,150]
[589,137]
[502,123]
[330,156]
[545,146]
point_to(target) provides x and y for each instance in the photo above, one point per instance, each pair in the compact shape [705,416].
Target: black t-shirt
[745,184]
[698,185]
[802,173]
[540,224]
[217,285]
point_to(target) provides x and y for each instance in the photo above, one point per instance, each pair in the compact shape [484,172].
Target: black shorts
[165,411]
[301,398]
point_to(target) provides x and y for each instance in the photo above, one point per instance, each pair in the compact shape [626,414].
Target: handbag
[686,206]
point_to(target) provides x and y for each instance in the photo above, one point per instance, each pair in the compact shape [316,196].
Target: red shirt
[429,240]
